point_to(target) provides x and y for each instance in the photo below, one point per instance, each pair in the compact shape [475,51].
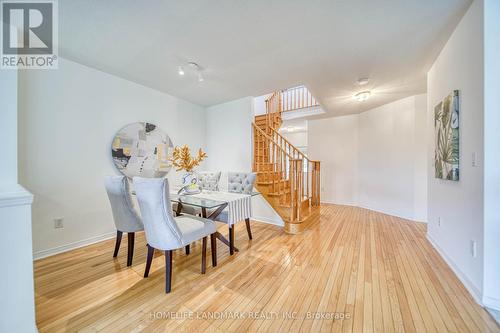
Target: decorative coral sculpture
[182,159]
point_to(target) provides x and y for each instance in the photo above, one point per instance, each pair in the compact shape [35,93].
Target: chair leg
[188,249]
[118,241]
[249,231]
[231,239]
[149,259]
[130,254]
[204,255]
[168,271]
[213,247]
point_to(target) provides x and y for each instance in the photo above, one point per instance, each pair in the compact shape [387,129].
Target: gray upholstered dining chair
[126,217]
[166,232]
[208,180]
[238,182]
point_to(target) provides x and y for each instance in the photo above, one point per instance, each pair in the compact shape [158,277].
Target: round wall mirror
[142,149]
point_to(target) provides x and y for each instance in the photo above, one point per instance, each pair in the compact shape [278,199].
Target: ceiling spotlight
[180,70]
[363,81]
[200,77]
[362,96]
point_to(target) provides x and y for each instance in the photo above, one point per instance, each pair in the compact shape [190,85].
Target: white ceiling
[249,48]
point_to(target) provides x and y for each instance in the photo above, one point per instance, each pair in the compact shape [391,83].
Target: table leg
[219,236]
[225,240]
[179,209]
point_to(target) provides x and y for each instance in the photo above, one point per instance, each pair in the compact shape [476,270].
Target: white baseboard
[92,240]
[71,246]
[475,292]
[371,208]
[267,220]
[338,203]
[492,303]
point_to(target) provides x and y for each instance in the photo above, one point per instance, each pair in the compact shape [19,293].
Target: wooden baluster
[297,92]
[316,189]
[261,143]
[307,178]
[297,97]
[294,100]
[285,101]
[302,103]
[304,97]
[270,152]
[276,165]
[297,190]
[313,184]
[277,162]
[318,186]
[301,98]
[299,187]
[293,191]
[254,145]
[288,100]
[273,166]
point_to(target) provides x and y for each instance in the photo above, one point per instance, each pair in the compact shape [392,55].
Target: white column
[17,306]
[491,284]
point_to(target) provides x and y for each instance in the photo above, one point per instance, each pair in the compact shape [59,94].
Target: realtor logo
[29,34]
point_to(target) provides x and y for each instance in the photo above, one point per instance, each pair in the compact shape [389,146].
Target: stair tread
[267,175]
[277,194]
[269,182]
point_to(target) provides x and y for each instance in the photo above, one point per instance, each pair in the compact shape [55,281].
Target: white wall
[298,139]
[334,142]
[229,147]
[459,204]
[420,159]
[259,104]
[8,126]
[491,288]
[376,159]
[229,143]
[17,305]
[68,118]
[389,147]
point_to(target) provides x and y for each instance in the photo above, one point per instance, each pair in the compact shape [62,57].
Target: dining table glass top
[205,199]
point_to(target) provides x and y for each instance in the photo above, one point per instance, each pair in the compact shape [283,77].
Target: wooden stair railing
[288,179]
[311,168]
[271,163]
[297,98]
[286,100]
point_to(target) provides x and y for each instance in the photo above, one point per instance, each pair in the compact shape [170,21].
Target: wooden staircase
[286,177]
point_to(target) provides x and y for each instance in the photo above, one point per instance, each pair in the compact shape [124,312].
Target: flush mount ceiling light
[363,81]
[195,67]
[362,96]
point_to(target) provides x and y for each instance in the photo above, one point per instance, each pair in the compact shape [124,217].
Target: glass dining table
[211,208]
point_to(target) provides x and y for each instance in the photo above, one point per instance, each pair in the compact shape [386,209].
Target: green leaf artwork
[446,129]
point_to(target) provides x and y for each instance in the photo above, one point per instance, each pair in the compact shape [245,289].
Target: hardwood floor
[377,271]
